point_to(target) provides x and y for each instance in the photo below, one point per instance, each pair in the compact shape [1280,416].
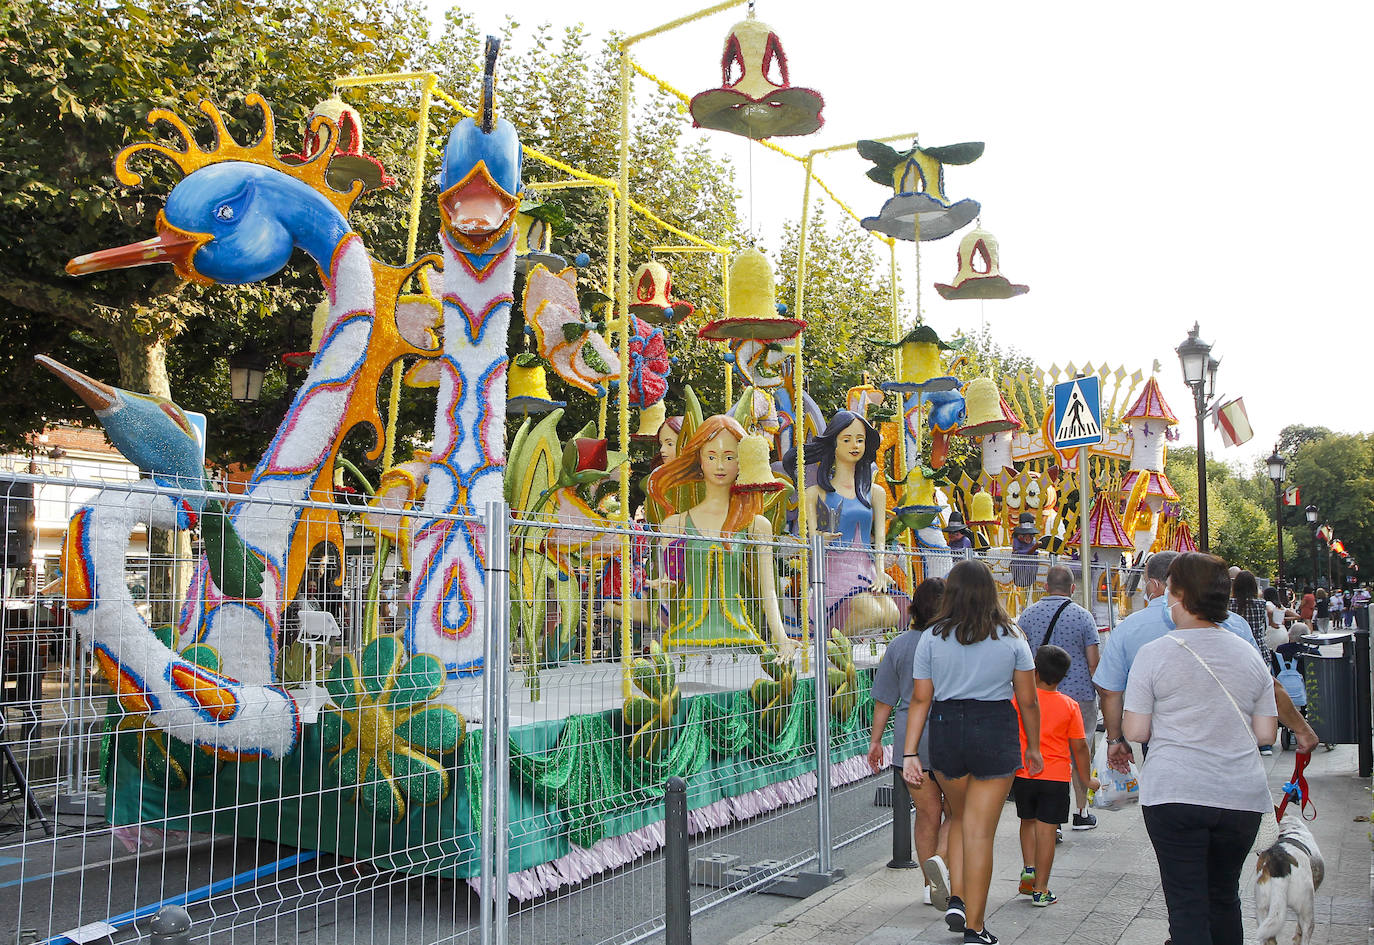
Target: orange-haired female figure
[715,562]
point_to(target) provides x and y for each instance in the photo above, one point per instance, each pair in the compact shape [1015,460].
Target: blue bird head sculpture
[479,181]
[238,213]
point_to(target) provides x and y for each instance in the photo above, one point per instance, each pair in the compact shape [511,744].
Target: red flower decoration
[591,455]
[649,363]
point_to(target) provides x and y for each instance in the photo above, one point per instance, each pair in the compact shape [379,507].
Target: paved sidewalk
[1107,881]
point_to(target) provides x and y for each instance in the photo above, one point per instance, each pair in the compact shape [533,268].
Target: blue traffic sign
[1077,412]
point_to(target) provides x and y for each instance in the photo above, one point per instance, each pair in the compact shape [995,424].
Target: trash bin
[1330,677]
[1362,617]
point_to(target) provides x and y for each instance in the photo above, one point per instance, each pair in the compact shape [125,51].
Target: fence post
[823,847]
[901,814]
[677,906]
[495,839]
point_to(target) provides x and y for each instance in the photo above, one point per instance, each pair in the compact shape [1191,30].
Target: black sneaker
[954,914]
[1084,821]
[979,938]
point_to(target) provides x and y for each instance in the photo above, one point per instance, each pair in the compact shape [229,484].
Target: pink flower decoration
[649,364]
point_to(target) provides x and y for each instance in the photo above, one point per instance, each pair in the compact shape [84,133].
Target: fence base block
[711,870]
[801,885]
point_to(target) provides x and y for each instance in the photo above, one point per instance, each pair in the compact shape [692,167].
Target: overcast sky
[1147,166]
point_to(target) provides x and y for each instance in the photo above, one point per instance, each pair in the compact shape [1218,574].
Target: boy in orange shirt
[1042,800]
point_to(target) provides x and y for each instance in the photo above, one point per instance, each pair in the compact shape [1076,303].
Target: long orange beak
[171,245]
[93,393]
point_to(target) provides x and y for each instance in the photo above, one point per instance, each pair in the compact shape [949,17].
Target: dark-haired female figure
[966,669]
[1204,700]
[852,509]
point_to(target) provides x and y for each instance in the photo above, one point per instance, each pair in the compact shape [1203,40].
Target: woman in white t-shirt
[1204,700]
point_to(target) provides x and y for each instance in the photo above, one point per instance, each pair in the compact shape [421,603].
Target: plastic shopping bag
[1116,788]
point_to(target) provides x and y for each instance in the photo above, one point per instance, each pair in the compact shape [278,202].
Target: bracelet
[912,755]
[1119,740]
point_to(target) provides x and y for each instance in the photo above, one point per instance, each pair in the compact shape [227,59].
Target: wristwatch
[1119,740]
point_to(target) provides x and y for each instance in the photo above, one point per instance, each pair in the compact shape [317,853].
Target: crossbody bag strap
[1049,631]
[1245,719]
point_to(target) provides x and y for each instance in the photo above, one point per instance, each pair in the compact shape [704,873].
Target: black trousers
[1201,851]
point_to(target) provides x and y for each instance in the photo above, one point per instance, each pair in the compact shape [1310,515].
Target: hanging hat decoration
[980,273]
[536,224]
[755,99]
[753,310]
[981,510]
[917,177]
[565,338]
[755,470]
[917,504]
[922,371]
[987,412]
[650,420]
[651,295]
[348,163]
[529,387]
[649,363]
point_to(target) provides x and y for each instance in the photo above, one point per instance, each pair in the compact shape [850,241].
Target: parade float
[528,546]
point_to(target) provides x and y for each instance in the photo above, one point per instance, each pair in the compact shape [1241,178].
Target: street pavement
[1106,879]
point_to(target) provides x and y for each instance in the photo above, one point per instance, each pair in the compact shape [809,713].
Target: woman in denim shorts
[966,670]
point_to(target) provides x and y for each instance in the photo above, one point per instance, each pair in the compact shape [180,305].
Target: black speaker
[16,520]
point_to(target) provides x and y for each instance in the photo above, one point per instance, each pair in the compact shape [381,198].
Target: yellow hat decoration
[349,163]
[986,411]
[755,99]
[755,471]
[922,371]
[753,311]
[980,274]
[980,509]
[529,387]
[535,224]
[650,419]
[918,209]
[651,299]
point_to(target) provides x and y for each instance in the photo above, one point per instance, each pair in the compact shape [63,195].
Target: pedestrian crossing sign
[1077,412]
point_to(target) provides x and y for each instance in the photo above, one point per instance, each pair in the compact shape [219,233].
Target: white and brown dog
[1288,874]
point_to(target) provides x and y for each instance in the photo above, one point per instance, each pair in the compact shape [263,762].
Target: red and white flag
[1292,495]
[1235,425]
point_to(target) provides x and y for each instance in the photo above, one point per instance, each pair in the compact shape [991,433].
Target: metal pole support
[171,925]
[901,819]
[1363,722]
[495,837]
[677,901]
[823,847]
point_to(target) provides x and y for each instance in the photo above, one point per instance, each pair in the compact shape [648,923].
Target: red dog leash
[1296,789]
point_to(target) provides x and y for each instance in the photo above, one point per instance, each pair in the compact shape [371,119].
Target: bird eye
[224,214]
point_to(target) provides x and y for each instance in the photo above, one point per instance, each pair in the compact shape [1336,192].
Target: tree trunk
[143,369]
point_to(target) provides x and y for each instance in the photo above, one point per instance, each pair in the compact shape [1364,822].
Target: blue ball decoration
[782,308]
[728,357]
[582,260]
[669,312]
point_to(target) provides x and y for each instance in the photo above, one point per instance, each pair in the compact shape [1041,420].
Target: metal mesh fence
[416,788]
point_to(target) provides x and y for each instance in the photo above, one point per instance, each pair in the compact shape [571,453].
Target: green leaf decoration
[965,152]
[773,695]
[388,729]
[842,675]
[650,712]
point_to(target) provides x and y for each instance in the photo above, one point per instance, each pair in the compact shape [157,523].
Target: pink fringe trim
[580,865]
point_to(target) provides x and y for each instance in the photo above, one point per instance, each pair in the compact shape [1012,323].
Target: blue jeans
[1201,851]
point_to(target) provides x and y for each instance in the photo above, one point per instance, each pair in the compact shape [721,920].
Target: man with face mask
[1151,623]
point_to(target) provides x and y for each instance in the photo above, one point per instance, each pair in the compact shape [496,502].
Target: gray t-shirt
[1075,631]
[980,670]
[1201,749]
[892,686]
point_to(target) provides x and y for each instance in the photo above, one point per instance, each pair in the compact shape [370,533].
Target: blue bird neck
[314,223]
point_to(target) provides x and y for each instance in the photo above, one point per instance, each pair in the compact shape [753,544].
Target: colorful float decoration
[919,209]
[756,99]
[565,338]
[652,296]
[536,224]
[980,274]
[753,313]
[922,370]
[348,162]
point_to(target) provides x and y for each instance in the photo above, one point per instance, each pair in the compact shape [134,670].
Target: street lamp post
[1313,513]
[1277,467]
[1200,374]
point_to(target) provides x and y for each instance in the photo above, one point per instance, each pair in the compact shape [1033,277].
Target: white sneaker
[926,896]
[937,876]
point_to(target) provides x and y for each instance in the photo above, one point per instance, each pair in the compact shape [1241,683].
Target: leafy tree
[1336,473]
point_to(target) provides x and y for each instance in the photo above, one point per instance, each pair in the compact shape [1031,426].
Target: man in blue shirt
[1151,623]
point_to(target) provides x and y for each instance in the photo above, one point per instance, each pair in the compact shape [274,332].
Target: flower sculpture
[649,363]
[164,758]
[565,337]
[773,695]
[650,711]
[385,732]
[843,676]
